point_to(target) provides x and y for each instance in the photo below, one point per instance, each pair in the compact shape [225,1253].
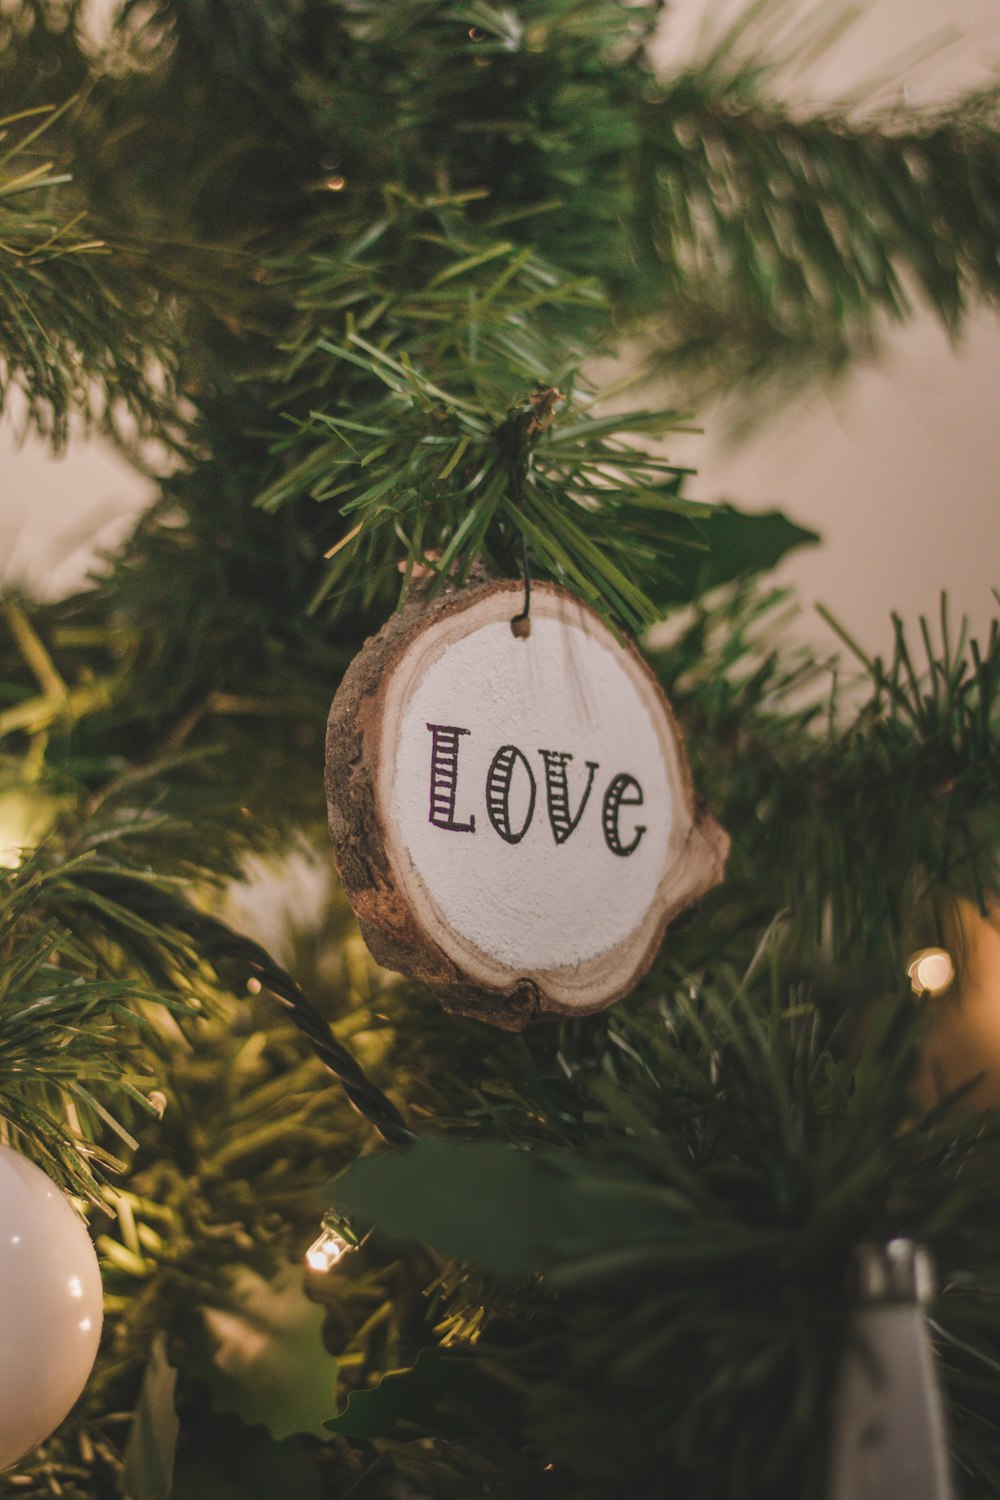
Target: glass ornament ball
[51,1306]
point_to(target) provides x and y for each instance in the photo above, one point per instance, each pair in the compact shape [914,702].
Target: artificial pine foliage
[336,272]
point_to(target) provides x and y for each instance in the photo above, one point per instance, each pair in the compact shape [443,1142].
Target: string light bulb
[931,971]
[331,1245]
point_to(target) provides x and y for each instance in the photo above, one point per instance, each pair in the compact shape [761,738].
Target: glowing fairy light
[324,1252]
[931,971]
[330,1246]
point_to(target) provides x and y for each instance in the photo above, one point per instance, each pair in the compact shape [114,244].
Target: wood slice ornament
[512,815]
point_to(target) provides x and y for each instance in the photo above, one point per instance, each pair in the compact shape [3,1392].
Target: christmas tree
[335,273]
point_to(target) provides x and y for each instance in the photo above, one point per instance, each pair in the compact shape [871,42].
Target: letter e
[616,797]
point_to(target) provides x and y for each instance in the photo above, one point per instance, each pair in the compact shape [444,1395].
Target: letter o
[498,780]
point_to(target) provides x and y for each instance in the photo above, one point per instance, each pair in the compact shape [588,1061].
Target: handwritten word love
[622,791]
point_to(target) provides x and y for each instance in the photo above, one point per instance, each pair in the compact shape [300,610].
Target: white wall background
[898,469]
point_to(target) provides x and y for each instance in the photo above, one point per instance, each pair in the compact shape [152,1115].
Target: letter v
[557,792]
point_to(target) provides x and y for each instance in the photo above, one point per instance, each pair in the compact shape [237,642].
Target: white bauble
[51,1306]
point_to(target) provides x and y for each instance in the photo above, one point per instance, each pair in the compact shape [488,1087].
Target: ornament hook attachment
[522,426]
[521,624]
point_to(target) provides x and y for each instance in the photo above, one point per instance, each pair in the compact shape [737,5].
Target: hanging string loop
[519,431]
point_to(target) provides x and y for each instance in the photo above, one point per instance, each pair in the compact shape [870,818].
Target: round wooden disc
[513,815]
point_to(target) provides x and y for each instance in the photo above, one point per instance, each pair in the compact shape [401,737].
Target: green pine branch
[83,331]
[911,750]
[745,236]
[72,1065]
[788,239]
[456,424]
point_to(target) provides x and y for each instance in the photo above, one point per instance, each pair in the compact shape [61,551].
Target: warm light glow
[14,833]
[336,183]
[324,1252]
[25,818]
[931,971]
[253,986]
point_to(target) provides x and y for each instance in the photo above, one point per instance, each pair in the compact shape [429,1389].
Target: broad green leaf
[507,1211]
[426,1400]
[727,543]
[152,1440]
[266,1359]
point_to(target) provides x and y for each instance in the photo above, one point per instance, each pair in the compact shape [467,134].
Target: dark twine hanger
[521,624]
[531,419]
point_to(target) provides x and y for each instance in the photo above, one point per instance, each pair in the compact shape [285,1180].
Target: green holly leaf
[148,1473]
[431,1399]
[728,543]
[264,1353]
[507,1211]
